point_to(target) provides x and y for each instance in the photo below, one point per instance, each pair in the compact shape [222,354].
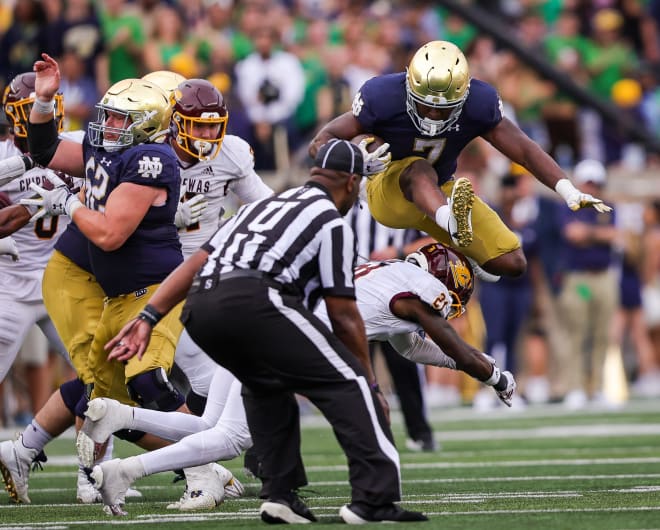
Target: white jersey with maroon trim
[35,241]
[222,180]
[379,283]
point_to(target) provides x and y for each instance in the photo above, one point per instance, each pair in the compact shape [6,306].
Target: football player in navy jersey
[131,195]
[427,115]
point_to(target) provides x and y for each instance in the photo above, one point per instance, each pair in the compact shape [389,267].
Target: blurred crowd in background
[287,67]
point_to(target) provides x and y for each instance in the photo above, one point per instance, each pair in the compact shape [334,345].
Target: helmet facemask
[17,101]
[452,269]
[145,111]
[427,126]
[196,104]
[200,148]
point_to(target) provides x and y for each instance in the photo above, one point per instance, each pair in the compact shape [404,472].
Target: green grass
[539,468]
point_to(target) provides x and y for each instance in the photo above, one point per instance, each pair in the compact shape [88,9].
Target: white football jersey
[377,284]
[35,241]
[229,175]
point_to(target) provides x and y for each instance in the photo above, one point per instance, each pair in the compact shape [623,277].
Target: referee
[256,282]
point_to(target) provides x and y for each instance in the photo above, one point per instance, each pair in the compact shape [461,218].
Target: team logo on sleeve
[150,167]
[358,103]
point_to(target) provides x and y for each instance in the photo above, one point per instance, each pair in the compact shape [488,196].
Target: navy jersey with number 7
[380,107]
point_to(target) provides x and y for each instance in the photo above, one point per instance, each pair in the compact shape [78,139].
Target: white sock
[442,216]
[133,468]
[167,425]
[35,436]
[194,450]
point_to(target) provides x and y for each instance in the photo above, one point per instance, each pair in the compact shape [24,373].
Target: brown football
[372,146]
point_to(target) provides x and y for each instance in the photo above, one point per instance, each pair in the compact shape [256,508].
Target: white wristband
[44,107]
[494,377]
[73,205]
[565,189]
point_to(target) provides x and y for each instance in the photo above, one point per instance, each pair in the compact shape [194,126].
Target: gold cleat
[460,220]
[9,483]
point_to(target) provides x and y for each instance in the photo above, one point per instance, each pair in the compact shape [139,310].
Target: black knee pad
[153,390]
[196,403]
[130,435]
[72,392]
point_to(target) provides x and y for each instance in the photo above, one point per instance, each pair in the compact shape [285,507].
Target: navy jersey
[74,245]
[380,107]
[153,250]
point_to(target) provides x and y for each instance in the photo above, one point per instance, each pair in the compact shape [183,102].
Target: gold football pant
[74,301]
[492,238]
[111,377]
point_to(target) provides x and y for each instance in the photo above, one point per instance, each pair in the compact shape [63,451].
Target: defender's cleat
[286,509]
[460,219]
[359,513]
[111,480]
[15,462]
[205,489]
[86,493]
[105,416]
[88,451]
[233,488]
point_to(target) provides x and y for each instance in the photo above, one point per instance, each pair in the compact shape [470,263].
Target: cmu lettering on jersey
[200,186]
[25,181]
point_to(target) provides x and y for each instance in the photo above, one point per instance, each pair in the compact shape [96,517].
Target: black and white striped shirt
[297,237]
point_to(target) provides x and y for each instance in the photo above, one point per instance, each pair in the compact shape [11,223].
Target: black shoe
[359,513]
[283,509]
[426,444]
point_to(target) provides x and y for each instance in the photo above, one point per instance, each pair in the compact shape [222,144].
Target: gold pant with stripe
[492,238]
[111,377]
[74,301]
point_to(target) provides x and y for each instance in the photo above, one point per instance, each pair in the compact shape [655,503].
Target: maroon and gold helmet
[450,267]
[198,102]
[17,101]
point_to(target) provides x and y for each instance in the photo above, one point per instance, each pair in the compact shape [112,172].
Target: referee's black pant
[276,347]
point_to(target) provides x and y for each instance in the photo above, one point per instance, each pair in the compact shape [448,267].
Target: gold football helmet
[450,267]
[165,79]
[17,101]
[437,76]
[146,111]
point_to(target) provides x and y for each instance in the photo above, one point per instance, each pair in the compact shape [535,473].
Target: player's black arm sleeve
[42,141]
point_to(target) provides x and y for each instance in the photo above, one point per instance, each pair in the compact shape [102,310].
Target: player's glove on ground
[190,212]
[377,161]
[575,199]
[58,201]
[8,247]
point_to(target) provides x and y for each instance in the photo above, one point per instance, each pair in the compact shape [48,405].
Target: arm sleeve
[417,349]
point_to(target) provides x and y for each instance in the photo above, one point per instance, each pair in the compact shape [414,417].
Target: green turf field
[538,468]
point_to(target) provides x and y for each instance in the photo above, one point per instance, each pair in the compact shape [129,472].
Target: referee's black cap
[340,155]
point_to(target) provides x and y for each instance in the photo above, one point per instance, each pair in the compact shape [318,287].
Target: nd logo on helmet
[461,274]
